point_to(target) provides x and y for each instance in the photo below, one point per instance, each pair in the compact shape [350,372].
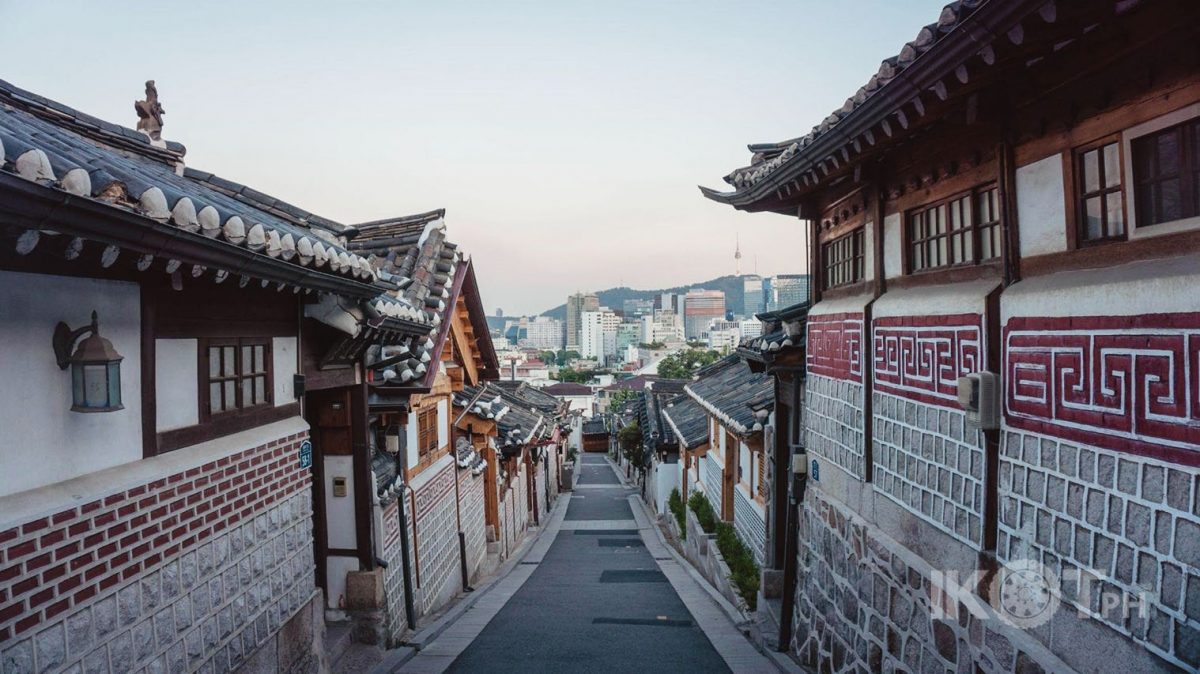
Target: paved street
[604,596]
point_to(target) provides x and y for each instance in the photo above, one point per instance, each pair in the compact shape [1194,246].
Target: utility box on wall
[979,395]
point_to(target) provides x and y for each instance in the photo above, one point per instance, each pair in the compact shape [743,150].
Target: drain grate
[632,576]
[620,542]
[606,532]
[650,622]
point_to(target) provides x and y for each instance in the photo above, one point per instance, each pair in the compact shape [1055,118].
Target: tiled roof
[738,396]
[785,329]
[568,389]
[594,426]
[53,145]
[688,420]
[517,421]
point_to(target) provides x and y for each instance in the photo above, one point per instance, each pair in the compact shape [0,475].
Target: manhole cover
[632,576]
[649,622]
[620,542]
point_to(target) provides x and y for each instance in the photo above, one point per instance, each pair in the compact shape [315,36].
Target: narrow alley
[601,580]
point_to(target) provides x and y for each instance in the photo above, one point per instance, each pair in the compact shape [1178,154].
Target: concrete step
[358,659]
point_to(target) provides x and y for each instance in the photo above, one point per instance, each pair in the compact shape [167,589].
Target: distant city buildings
[664,327]
[785,290]
[754,296]
[544,332]
[700,307]
[598,334]
[636,308]
[577,304]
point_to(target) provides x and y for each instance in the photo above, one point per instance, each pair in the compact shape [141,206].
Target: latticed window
[238,374]
[843,259]
[427,431]
[961,230]
[1101,201]
[1166,174]
[762,474]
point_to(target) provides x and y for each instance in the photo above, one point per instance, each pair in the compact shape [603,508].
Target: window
[238,374]
[843,258]
[962,230]
[1166,174]
[1100,199]
[427,428]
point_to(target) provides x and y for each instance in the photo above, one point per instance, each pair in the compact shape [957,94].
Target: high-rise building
[669,302]
[544,332]
[576,305]
[753,295]
[635,308]
[700,307]
[786,290]
[598,334]
[664,327]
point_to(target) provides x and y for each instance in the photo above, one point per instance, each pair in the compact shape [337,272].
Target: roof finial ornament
[150,113]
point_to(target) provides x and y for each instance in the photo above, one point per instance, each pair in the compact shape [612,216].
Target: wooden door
[731,468]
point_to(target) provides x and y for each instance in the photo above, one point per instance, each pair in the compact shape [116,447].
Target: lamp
[95,367]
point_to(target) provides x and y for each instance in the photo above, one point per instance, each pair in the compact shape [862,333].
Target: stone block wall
[435,514]
[393,576]
[711,479]
[1121,531]
[866,604]
[749,521]
[198,570]
[930,462]
[470,509]
[833,414]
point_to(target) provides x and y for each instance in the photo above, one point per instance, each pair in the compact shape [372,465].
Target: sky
[564,139]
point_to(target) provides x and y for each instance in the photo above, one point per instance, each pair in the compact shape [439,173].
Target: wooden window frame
[1079,195]
[1188,176]
[428,442]
[973,231]
[240,410]
[849,267]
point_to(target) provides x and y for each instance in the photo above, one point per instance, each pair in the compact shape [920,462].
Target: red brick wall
[55,563]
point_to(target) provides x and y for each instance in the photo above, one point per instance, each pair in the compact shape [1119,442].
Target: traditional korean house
[157,502]
[595,435]
[658,441]
[732,472]
[429,496]
[1006,217]
[780,353]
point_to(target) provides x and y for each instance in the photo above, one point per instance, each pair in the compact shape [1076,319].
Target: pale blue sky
[566,139]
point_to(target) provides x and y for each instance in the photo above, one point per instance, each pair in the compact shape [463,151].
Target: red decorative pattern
[60,561]
[834,346]
[922,357]
[432,491]
[1127,383]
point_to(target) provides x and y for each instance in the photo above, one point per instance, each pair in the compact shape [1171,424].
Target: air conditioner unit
[979,395]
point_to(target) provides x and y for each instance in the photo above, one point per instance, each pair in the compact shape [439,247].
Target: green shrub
[705,515]
[742,570]
[675,503]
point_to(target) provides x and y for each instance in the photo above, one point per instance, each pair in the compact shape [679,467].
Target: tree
[563,356]
[620,397]
[577,376]
[683,364]
[630,440]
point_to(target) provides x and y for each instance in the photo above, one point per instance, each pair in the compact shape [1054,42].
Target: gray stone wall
[1122,532]
[930,463]
[866,604]
[393,576]
[750,524]
[437,550]
[833,417]
[470,505]
[710,477]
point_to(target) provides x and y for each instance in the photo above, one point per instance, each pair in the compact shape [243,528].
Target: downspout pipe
[406,565]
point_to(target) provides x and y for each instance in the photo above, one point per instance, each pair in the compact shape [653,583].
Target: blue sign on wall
[815,471]
[306,454]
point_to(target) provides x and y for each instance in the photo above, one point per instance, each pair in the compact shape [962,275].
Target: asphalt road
[596,603]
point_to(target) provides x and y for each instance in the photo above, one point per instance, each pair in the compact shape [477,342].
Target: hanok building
[164,330]
[423,537]
[732,471]
[1001,355]
[658,441]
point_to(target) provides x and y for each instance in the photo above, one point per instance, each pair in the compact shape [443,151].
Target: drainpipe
[405,564]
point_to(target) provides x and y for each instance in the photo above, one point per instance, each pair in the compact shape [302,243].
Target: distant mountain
[614,298]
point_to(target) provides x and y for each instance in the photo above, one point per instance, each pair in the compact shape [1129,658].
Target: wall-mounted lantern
[95,367]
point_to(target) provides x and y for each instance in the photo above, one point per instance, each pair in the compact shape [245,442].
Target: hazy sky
[565,139]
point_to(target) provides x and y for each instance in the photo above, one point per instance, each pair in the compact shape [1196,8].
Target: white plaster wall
[283,360]
[1147,287]
[745,461]
[842,305]
[1041,207]
[941,300]
[43,441]
[336,568]
[177,400]
[413,451]
[339,510]
[892,241]
[443,424]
